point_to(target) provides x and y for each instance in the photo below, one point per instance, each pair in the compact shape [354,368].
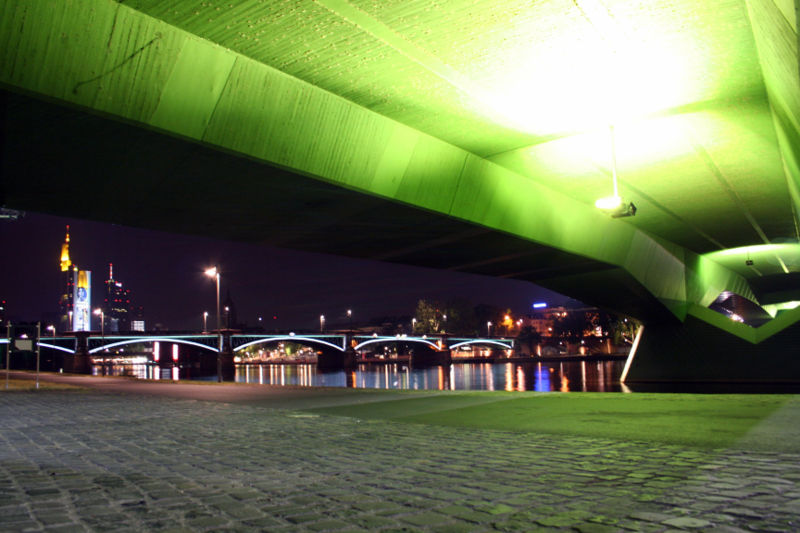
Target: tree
[572,327]
[530,337]
[605,321]
[623,330]
[460,318]
[428,318]
[485,313]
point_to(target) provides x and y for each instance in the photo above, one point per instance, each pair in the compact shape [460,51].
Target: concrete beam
[105,57]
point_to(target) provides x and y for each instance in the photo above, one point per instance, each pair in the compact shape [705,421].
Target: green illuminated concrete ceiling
[493,114]
[533,85]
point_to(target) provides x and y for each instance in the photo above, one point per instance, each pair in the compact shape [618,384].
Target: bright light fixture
[211,272]
[614,203]
[609,202]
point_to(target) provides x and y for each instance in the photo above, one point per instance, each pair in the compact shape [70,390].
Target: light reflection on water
[545,377]
[568,376]
[585,376]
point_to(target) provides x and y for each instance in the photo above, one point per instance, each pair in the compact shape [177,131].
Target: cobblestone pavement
[98,461]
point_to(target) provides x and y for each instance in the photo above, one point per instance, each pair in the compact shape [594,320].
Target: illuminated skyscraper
[117,308]
[68,274]
[75,302]
[82,300]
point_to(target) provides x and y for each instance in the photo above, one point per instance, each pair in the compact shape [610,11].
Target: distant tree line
[461,318]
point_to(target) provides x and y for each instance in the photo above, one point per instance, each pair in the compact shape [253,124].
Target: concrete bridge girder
[132,67]
[110,342]
[300,339]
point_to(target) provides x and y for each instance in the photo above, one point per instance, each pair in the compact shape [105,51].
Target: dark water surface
[545,377]
[565,376]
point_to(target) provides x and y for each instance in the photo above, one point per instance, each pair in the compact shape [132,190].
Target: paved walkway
[246,459]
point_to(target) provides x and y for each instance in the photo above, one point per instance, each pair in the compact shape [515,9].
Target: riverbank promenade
[114,454]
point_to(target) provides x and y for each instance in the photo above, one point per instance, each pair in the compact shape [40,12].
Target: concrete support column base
[425,358]
[698,352]
[80,363]
[332,361]
[225,366]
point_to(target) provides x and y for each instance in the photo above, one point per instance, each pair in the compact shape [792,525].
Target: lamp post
[321,323]
[214,273]
[350,319]
[227,317]
[99,312]
[413,324]
[69,326]
[205,321]
[52,329]
[488,329]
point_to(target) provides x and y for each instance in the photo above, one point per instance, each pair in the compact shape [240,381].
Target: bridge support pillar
[80,362]
[425,358]
[697,352]
[226,370]
[329,360]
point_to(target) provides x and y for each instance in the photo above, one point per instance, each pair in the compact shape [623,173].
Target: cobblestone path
[94,461]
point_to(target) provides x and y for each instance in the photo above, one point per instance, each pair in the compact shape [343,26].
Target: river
[595,376]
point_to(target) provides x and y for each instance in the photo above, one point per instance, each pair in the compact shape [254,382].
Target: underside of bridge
[465,135]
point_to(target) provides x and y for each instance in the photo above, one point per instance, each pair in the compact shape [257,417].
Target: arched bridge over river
[334,350]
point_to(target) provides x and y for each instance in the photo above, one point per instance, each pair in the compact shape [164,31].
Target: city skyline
[165,272]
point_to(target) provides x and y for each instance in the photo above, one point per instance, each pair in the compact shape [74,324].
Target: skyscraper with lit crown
[74,304]
[117,308]
[68,274]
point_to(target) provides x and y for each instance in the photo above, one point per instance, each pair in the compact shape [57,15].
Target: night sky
[165,275]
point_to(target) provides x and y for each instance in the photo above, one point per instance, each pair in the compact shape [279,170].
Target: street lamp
[52,330]
[350,319]
[99,312]
[488,329]
[69,326]
[413,324]
[214,273]
[321,323]
[227,317]
[205,321]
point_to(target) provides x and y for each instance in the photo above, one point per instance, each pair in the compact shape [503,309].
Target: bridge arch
[507,345]
[290,338]
[380,340]
[54,347]
[140,340]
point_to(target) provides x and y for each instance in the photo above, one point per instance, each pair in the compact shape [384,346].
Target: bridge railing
[98,344]
[240,342]
[337,342]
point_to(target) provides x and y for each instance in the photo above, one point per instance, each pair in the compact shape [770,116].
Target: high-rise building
[137,320]
[75,302]
[68,274]
[229,320]
[117,308]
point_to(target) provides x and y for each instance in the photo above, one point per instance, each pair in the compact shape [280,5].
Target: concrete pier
[422,358]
